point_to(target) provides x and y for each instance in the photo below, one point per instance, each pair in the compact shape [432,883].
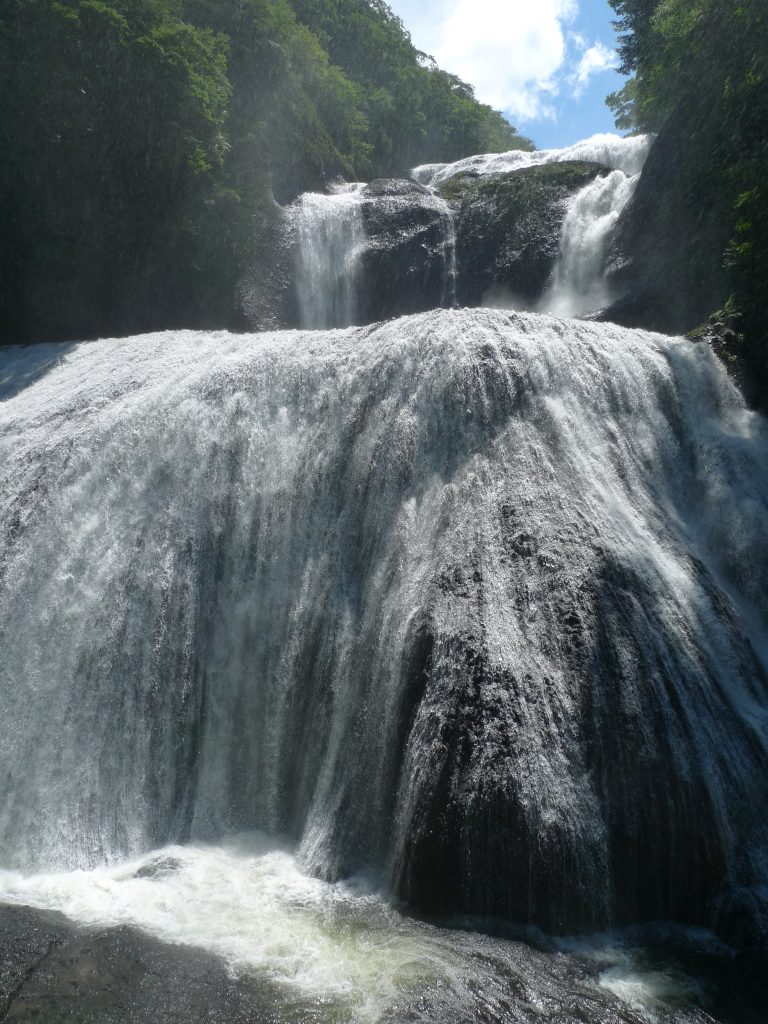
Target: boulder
[408,259]
[52,971]
[508,229]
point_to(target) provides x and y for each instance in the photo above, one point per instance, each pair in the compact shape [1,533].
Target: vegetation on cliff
[700,73]
[144,142]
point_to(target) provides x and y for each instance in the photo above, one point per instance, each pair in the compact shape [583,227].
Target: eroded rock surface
[53,972]
[508,229]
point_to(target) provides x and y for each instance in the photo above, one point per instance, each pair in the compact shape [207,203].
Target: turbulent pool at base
[337,953]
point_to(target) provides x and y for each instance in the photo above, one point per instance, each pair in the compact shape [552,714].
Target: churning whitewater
[471,604]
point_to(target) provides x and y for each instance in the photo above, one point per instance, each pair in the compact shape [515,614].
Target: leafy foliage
[706,63]
[416,111]
[143,142]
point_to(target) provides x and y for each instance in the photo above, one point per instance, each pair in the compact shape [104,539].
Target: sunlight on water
[624,154]
[341,952]
[273,581]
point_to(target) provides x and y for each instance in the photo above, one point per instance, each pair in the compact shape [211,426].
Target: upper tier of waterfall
[330,240]
[474,599]
[613,151]
[365,252]
[577,284]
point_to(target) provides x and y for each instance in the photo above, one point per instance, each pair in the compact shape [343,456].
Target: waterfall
[577,285]
[369,250]
[330,240]
[578,282]
[475,600]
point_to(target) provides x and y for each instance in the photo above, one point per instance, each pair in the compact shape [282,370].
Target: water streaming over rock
[448,298]
[330,240]
[613,151]
[366,252]
[577,283]
[473,600]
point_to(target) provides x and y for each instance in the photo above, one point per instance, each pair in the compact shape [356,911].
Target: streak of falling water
[578,281]
[449,248]
[330,240]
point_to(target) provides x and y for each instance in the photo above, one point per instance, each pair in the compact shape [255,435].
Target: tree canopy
[705,62]
[143,142]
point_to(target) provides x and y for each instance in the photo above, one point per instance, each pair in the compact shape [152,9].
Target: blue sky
[546,63]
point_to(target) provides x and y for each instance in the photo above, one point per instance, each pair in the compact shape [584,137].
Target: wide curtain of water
[464,612]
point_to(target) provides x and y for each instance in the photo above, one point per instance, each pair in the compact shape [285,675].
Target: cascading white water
[448,298]
[473,601]
[578,281]
[330,240]
[613,151]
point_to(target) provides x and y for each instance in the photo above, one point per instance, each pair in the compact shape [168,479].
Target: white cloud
[511,51]
[578,40]
[518,54]
[593,60]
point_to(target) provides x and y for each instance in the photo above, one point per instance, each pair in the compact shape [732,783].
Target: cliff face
[666,262]
[508,229]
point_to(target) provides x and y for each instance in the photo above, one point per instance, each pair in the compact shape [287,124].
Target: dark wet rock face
[407,259]
[647,837]
[666,260]
[508,229]
[266,294]
[636,308]
[52,972]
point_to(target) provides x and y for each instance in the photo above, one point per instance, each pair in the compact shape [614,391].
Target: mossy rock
[508,228]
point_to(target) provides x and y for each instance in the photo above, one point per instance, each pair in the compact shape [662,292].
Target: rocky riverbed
[52,972]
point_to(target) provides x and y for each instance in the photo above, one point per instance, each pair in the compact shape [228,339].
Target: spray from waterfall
[578,281]
[331,238]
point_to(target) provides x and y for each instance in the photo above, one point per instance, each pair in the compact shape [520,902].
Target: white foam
[625,154]
[340,952]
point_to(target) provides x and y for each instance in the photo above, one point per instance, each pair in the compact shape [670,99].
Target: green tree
[704,64]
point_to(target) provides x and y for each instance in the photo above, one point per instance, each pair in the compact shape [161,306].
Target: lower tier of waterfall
[471,604]
[474,600]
